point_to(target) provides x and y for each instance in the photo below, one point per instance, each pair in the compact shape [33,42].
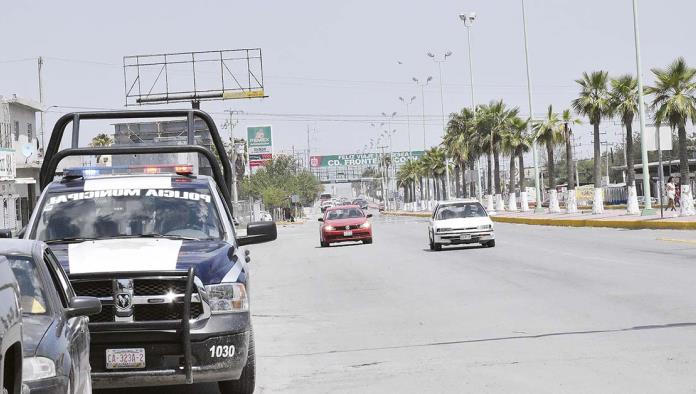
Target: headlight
[329,228]
[485,227]
[365,225]
[228,298]
[35,368]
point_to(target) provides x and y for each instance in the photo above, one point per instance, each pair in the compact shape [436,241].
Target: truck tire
[246,383]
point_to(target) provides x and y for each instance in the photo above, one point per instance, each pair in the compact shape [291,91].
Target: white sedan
[460,222]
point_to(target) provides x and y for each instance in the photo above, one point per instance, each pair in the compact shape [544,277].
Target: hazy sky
[334,65]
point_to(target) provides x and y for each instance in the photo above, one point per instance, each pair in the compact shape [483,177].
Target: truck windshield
[187,213]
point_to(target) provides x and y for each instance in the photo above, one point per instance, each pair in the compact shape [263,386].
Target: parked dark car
[56,338]
[10,331]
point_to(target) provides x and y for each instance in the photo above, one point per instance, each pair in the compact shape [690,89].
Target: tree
[674,102]
[624,103]
[493,120]
[515,142]
[460,142]
[593,102]
[280,178]
[568,120]
[101,140]
[549,132]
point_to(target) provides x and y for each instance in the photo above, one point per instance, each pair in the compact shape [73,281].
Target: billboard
[260,143]
[361,159]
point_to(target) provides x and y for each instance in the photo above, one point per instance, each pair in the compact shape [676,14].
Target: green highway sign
[361,159]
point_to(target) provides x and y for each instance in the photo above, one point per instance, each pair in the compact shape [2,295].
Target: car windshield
[33,300]
[186,213]
[460,210]
[347,213]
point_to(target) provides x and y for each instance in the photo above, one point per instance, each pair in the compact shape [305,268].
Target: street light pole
[408,119]
[422,87]
[391,153]
[648,209]
[539,208]
[468,19]
[442,107]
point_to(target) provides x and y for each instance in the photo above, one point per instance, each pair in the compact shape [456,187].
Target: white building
[20,161]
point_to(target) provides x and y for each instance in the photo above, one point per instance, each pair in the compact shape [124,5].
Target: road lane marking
[681,241]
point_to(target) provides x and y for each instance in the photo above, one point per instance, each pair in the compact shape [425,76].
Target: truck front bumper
[164,361]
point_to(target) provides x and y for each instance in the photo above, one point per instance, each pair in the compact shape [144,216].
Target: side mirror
[321,219]
[5,233]
[369,215]
[83,306]
[259,232]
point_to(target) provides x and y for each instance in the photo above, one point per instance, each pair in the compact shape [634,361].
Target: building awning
[25,181]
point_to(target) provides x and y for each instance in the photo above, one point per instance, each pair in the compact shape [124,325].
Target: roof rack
[54,155]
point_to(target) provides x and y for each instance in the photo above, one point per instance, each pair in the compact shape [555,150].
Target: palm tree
[514,142]
[675,102]
[568,121]
[101,140]
[549,133]
[624,103]
[459,141]
[494,119]
[593,101]
[406,179]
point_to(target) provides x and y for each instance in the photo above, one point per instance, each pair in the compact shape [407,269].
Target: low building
[20,161]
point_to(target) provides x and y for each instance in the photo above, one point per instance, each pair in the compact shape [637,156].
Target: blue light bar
[85,172]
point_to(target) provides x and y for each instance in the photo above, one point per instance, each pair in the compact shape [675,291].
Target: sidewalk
[610,218]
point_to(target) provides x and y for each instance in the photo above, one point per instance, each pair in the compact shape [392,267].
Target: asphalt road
[547,310]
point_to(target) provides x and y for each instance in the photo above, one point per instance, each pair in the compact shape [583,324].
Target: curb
[618,224]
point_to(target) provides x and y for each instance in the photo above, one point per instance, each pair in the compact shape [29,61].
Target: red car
[345,224]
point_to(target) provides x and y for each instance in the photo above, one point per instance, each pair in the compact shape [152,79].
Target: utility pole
[43,105]
[309,154]
[231,124]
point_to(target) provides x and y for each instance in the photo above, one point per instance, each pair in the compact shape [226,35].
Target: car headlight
[365,225]
[329,228]
[36,368]
[485,227]
[227,298]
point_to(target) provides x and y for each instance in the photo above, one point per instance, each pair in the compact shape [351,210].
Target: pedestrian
[677,195]
[670,190]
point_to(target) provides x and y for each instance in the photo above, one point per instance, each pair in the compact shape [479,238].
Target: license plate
[347,233]
[125,358]
[465,237]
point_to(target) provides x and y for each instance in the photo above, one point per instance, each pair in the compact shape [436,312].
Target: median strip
[650,224]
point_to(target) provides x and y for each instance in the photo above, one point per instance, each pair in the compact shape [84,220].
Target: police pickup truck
[157,245]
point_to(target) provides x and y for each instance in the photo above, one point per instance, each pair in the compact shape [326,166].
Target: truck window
[187,212]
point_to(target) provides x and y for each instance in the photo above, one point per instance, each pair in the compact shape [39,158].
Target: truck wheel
[324,244]
[367,241]
[432,244]
[246,382]
[491,243]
